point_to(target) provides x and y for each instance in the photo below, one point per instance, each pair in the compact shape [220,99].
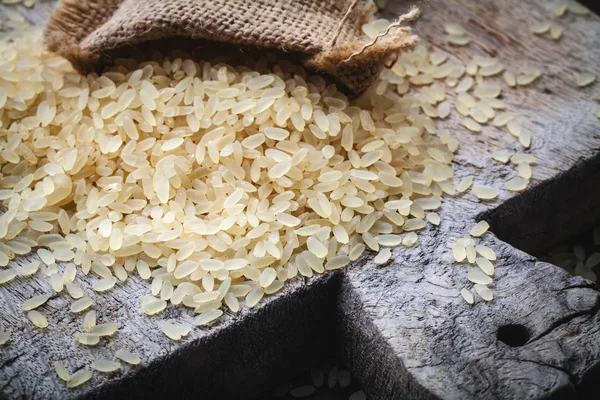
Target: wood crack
[10,361]
[565,320]
[572,378]
[591,286]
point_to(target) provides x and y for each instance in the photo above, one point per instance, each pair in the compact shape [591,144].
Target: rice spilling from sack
[212,182]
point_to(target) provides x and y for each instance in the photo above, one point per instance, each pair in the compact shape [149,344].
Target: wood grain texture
[402,329]
[450,352]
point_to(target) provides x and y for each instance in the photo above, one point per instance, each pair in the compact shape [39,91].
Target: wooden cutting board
[403,330]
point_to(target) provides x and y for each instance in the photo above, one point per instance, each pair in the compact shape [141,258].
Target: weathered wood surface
[403,329]
[450,352]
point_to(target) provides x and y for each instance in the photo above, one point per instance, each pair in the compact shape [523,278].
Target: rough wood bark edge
[239,358]
[552,212]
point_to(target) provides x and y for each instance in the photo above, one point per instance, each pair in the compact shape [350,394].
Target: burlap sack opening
[325,34]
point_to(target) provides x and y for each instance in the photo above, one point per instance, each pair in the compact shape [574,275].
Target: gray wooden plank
[445,350]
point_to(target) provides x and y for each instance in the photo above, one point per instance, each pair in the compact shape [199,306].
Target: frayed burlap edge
[71,21]
[357,65]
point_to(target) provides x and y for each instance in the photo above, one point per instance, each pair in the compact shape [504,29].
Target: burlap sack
[325,33]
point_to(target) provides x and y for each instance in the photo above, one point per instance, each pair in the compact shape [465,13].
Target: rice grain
[128,357]
[4,337]
[38,319]
[81,305]
[478,276]
[584,79]
[79,378]
[484,193]
[484,292]
[107,366]
[87,339]
[467,296]
[479,229]
[34,302]
[383,256]
[61,371]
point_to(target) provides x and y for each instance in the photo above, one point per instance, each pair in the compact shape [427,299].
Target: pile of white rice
[215,183]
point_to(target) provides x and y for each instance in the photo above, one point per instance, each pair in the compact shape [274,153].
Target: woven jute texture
[325,33]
